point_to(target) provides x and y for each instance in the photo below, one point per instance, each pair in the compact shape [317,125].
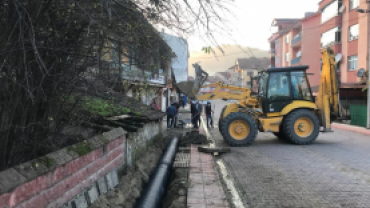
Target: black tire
[220,119]
[247,119]
[289,131]
[280,135]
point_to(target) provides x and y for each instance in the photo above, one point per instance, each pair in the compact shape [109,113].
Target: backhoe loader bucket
[191,88]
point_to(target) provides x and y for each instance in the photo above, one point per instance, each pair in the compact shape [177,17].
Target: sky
[250,22]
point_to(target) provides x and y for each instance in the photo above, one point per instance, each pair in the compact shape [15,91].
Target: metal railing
[137,75]
[295,61]
[296,39]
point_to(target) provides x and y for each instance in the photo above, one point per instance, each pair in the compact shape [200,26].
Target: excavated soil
[177,191]
[186,136]
[132,182]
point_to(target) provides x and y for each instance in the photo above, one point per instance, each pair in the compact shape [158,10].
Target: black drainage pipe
[156,188]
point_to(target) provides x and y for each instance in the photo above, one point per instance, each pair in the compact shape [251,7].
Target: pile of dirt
[193,137]
[186,136]
[132,183]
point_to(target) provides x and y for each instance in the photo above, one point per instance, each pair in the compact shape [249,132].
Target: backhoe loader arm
[328,101]
[191,88]
[234,93]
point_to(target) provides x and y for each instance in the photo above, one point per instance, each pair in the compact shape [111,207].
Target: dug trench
[134,181]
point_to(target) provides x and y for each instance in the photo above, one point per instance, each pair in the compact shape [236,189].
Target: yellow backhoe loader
[283,104]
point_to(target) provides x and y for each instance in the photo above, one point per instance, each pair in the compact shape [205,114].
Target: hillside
[212,65]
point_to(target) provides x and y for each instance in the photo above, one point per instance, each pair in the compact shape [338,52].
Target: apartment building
[337,25]
[296,44]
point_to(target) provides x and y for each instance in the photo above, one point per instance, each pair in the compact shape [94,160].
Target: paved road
[332,172]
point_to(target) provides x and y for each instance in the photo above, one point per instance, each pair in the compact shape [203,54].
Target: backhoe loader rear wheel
[239,129]
[301,127]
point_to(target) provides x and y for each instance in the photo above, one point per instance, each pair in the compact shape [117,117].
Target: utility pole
[368,69]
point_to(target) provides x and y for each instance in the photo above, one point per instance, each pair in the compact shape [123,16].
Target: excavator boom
[328,99]
[233,92]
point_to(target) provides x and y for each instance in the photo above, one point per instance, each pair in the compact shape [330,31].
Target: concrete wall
[311,44]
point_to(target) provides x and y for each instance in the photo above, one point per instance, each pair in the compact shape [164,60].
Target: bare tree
[48,46]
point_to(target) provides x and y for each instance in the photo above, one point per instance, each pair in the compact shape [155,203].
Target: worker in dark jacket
[171,112]
[177,106]
[197,112]
[209,112]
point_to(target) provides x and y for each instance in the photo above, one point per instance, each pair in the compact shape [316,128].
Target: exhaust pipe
[156,188]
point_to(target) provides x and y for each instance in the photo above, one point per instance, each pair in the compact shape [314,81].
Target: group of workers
[196,111]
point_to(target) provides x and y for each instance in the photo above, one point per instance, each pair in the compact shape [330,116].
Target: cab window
[262,85]
[279,87]
[300,86]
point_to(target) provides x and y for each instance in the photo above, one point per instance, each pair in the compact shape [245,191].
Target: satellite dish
[360,72]
[338,57]
[342,8]
[299,54]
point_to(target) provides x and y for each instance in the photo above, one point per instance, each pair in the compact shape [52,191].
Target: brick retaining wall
[55,179]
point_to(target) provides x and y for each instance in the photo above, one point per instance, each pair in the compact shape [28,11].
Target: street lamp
[368,83]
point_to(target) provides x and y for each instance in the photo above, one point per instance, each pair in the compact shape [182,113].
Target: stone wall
[137,143]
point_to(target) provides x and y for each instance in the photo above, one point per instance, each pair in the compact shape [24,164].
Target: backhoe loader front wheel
[239,129]
[301,127]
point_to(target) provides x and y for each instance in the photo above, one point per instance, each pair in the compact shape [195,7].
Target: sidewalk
[347,127]
[205,189]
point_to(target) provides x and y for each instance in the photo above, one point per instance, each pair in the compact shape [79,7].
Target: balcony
[137,75]
[296,40]
[295,61]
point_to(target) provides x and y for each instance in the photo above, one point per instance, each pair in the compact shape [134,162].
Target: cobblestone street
[332,172]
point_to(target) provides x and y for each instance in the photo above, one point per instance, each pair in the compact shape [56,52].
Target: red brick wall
[68,176]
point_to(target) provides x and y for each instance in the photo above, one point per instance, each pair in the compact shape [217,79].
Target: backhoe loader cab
[279,87]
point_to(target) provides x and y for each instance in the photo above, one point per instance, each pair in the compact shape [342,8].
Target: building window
[353,32]
[277,60]
[354,4]
[330,11]
[287,38]
[352,63]
[287,56]
[331,37]
[277,43]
